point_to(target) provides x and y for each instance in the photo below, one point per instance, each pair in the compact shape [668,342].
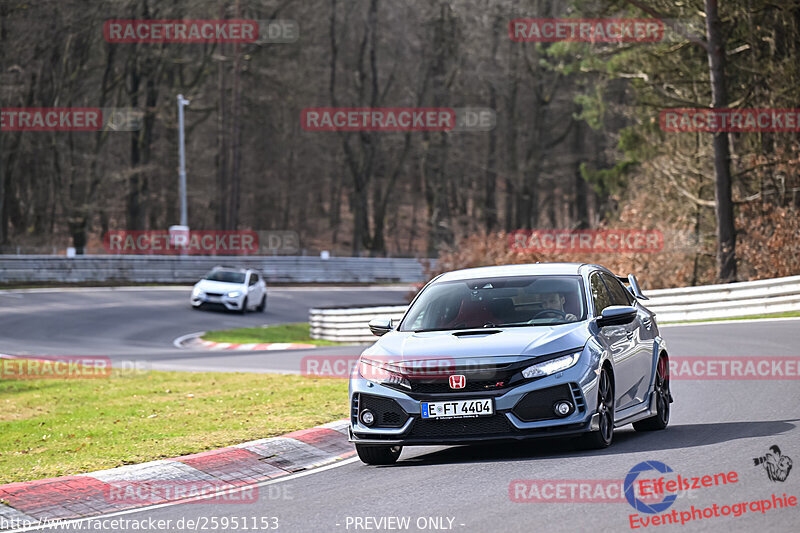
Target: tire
[663,398]
[378,455]
[243,310]
[602,438]
[263,305]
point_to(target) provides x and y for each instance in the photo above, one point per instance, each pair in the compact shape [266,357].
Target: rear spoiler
[633,286]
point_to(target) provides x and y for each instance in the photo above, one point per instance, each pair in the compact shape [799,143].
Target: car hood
[218,286]
[508,344]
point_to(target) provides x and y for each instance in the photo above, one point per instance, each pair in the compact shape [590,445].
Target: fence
[670,305]
[186,269]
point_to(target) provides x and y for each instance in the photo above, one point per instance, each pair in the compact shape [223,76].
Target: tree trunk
[726,231]
[221,201]
[490,185]
[236,129]
[580,215]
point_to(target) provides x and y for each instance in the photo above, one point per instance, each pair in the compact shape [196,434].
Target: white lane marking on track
[63,525]
[178,343]
[730,322]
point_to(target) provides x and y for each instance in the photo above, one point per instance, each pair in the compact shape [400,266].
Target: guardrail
[349,325]
[728,300]
[188,269]
[670,305]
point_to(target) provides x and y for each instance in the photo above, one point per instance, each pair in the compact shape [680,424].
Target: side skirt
[637,412]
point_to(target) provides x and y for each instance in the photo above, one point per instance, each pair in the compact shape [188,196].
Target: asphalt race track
[717,426]
[138,327]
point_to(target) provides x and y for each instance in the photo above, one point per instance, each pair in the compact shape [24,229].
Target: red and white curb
[241,465]
[193,340]
[256,346]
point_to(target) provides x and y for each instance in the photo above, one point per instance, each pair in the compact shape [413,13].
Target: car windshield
[497,302]
[226,276]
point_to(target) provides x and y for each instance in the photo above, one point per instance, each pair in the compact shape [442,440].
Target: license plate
[458,408]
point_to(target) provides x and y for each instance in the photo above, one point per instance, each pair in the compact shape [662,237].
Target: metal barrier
[670,305]
[188,269]
[728,300]
[349,325]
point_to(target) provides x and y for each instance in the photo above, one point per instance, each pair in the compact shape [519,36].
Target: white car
[234,289]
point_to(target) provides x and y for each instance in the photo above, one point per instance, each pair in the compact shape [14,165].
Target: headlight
[234,294]
[552,366]
[196,291]
[377,372]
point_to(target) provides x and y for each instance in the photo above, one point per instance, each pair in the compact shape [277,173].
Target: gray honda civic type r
[508,353]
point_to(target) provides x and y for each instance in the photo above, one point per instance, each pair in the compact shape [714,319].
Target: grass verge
[52,427]
[299,333]
[787,314]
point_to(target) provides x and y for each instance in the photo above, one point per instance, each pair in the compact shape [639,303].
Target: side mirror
[616,315]
[380,326]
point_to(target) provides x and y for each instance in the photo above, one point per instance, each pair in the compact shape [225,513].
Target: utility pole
[182,157]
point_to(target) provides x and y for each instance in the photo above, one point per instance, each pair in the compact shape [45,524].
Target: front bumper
[220,302]
[509,434]
[521,412]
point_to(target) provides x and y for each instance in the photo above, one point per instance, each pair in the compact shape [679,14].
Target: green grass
[787,314]
[283,333]
[52,427]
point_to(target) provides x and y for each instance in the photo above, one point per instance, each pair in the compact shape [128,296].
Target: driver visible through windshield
[497,302]
[226,276]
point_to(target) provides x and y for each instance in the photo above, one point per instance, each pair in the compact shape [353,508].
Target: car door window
[253,279]
[599,294]
[619,295]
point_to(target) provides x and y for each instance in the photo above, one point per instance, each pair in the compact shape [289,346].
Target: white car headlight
[552,366]
[197,291]
[234,294]
[379,373]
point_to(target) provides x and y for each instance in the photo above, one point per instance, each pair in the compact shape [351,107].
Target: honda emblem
[458,381]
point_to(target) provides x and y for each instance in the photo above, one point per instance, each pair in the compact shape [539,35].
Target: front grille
[444,386]
[217,294]
[482,379]
[392,419]
[388,412]
[538,404]
[460,427]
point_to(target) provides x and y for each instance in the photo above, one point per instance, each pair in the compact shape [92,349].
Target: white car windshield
[497,302]
[226,276]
